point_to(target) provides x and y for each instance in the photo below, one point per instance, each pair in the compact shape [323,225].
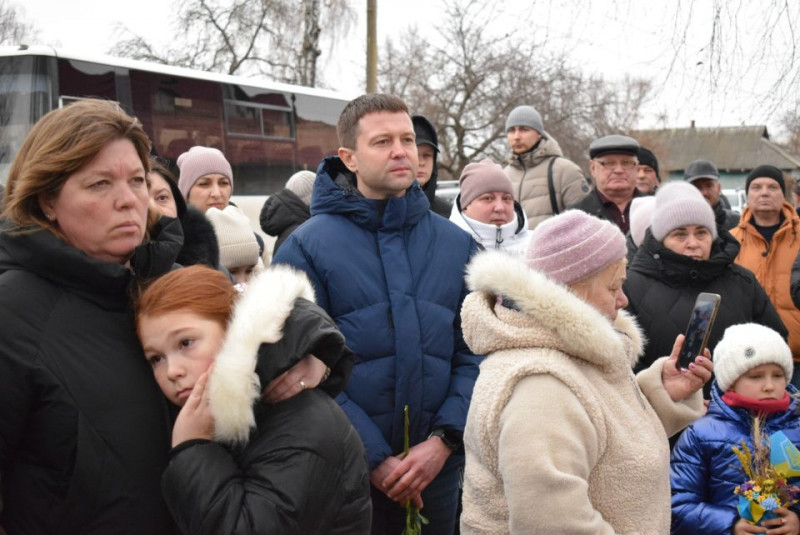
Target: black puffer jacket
[281,214]
[662,287]
[84,429]
[726,219]
[303,469]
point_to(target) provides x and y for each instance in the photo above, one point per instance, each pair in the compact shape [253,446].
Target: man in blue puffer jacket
[390,274]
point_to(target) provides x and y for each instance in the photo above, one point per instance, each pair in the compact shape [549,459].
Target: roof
[733,149]
[126,63]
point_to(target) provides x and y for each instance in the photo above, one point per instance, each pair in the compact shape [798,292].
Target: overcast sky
[610,37]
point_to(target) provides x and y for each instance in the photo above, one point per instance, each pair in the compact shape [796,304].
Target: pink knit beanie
[201,161]
[680,204]
[482,177]
[574,245]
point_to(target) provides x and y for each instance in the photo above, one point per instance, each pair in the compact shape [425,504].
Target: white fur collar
[258,317]
[580,329]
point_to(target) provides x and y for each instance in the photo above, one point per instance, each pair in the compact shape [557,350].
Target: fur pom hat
[574,245]
[201,161]
[745,346]
[237,243]
[679,204]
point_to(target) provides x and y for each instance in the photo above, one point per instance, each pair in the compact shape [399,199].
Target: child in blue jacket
[753,366]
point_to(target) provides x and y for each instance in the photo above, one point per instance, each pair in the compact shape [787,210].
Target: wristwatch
[451,439]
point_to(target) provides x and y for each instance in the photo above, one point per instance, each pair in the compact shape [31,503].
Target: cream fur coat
[561,437]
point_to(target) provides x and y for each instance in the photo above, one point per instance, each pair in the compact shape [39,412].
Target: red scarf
[763,406]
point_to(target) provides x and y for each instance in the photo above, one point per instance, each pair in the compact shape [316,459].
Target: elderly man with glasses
[613,167]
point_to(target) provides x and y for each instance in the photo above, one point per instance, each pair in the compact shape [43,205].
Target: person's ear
[47,206]
[348,157]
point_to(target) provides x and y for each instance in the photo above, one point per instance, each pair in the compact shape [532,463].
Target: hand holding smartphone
[700,322]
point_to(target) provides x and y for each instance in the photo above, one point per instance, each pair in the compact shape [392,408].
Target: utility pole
[372,46]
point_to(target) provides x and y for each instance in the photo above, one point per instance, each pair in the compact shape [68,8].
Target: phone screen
[700,322]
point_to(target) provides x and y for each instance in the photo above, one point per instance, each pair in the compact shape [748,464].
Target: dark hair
[61,143]
[347,128]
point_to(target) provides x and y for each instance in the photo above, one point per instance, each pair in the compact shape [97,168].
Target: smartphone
[700,322]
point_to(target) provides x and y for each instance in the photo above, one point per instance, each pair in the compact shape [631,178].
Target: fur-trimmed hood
[549,315]
[274,325]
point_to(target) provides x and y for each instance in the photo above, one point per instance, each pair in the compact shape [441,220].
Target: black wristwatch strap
[450,439]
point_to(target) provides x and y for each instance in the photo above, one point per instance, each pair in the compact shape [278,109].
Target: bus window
[86,80]
[178,113]
[26,94]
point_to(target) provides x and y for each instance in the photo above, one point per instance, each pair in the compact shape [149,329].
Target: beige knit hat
[482,177]
[302,184]
[237,243]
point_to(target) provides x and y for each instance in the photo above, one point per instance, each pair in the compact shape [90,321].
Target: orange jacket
[772,265]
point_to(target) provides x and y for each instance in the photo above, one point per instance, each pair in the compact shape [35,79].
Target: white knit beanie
[641,216]
[237,243]
[302,184]
[745,346]
[679,204]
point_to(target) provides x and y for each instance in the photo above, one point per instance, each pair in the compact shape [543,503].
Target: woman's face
[604,290]
[692,241]
[492,208]
[243,274]
[767,381]
[180,346]
[161,197]
[209,191]
[102,207]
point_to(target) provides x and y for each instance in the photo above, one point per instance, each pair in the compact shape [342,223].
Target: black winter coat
[303,470]
[84,429]
[662,287]
[726,219]
[281,214]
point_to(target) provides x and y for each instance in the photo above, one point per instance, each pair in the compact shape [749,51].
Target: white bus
[266,130]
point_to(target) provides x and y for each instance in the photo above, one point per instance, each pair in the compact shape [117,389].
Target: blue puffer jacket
[704,470]
[391,275]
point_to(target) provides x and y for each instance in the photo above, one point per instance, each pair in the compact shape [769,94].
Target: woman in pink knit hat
[206,179]
[561,437]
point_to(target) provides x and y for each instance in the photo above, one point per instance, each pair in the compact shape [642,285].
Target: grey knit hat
[745,346]
[237,242]
[679,204]
[525,116]
[482,177]
[574,245]
[198,162]
[700,169]
[302,184]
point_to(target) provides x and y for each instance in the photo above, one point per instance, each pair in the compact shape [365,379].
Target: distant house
[735,150]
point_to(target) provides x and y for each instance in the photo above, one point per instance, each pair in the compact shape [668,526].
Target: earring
[50,217]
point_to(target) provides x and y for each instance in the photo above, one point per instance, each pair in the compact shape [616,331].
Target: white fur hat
[237,242]
[745,346]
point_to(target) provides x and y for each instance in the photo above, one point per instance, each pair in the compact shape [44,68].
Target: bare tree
[14,29]
[468,80]
[248,37]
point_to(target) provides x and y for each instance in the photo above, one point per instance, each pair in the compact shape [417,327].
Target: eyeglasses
[610,165]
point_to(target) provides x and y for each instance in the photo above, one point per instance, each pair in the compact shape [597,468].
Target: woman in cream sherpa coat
[561,437]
